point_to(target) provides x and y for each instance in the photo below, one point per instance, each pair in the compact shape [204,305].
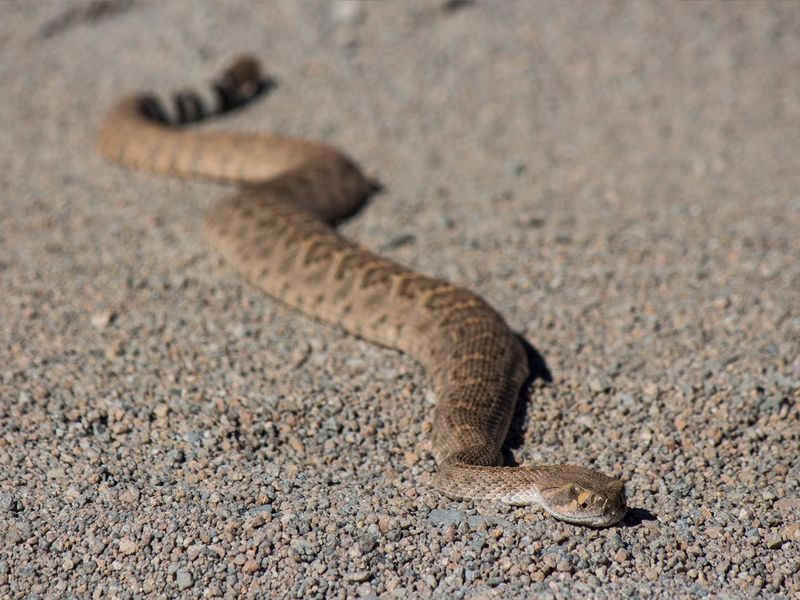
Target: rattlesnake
[277,232]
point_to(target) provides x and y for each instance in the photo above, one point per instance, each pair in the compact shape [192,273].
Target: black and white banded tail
[238,85]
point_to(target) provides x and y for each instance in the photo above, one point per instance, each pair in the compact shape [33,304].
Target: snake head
[582,496]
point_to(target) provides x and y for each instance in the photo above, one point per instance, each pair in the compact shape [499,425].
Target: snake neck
[517,486]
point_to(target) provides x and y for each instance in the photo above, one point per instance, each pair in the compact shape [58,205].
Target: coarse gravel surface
[621,180]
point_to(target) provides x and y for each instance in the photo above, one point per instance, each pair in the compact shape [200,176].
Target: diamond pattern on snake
[277,231]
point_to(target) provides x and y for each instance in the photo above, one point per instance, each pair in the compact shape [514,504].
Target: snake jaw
[585,498]
[605,517]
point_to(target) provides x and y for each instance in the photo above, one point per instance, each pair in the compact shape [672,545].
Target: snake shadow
[537,370]
[635,517]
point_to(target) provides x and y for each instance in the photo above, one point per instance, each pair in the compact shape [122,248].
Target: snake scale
[277,232]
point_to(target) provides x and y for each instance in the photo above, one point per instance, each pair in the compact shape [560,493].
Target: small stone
[6,502]
[791,532]
[385,523]
[254,522]
[777,579]
[365,592]
[440,516]
[476,520]
[261,509]
[296,444]
[18,531]
[130,495]
[102,319]
[650,389]
[127,546]
[774,541]
[97,545]
[621,555]
[786,505]
[72,493]
[358,576]
[597,385]
[176,456]
[120,428]
[721,303]
[183,579]
[399,241]
[193,551]
[367,544]
[56,473]
[251,566]
[67,565]
[114,349]
[626,400]
[348,12]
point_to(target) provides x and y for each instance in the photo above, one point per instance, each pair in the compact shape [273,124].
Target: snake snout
[585,497]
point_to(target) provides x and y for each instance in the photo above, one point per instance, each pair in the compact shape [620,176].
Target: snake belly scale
[277,232]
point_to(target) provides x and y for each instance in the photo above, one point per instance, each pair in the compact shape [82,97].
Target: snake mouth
[610,519]
[600,520]
[606,516]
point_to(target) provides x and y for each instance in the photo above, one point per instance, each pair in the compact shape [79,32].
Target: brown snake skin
[277,233]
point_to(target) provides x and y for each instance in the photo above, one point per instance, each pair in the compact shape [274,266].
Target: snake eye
[583,505]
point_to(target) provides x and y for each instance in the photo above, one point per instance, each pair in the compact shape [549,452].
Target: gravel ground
[620,179]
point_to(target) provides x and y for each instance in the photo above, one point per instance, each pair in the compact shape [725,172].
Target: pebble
[127,546]
[791,533]
[6,502]
[184,580]
[349,12]
[774,541]
[788,505]
[443,517]
[251,566]
[358,576]
[103,319]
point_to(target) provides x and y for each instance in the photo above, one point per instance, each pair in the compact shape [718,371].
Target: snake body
[277,232]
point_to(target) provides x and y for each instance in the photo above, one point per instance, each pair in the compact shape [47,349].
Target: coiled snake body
[277,233]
